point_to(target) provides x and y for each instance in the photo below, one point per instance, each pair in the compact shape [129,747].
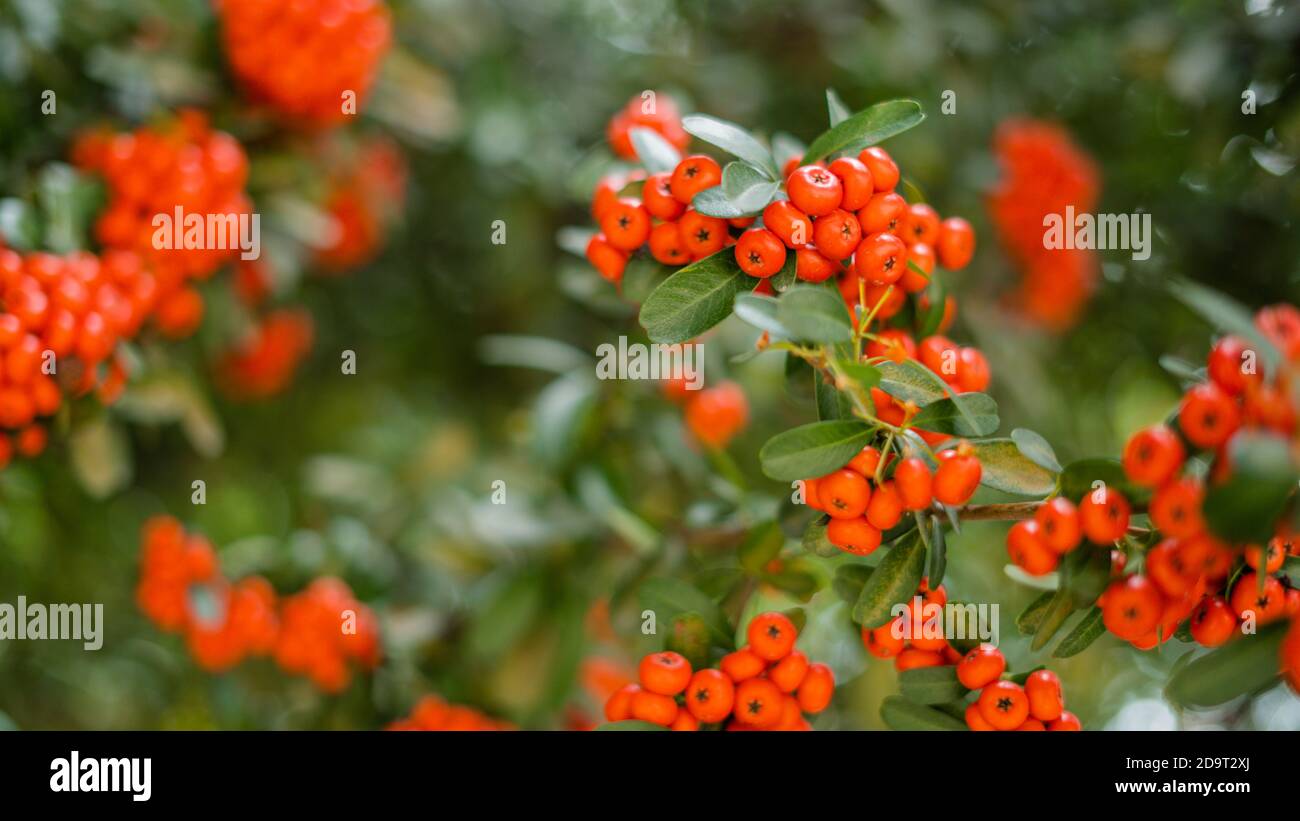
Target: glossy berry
[653,708]
[1232,364]
[1132,607]
[771,636]
[922,225]
[658,199]
[742,664]
[1043,688]
[1153,456]
[1213,621]
[785,220]
[957,476]
[956,243]
[1104,515]
[788,673]
[760,253]
[844,494]
[857,536]
[1027,551]
[812,266]
[884,172]
[981,666]
[837,234]
[914,482]
[883,213]
[692,175]
[814,190]
[702,235]
[1208,416]
[710,696]
[1004,705]
[816,689]
[666,673]
[758,703]
[880,259]
[666,244]
[1059,526]
[1068,722]
[855,179]
[626,224]
[1266,604]
[1175,509]
[885,641]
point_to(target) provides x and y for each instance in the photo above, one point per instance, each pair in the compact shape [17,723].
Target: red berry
[760,253]
[814,190]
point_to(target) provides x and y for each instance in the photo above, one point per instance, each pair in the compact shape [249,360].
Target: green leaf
[814,315]
[910,381]
[785,146]
[900,714]
[68,202]
[786,277]
[1085,573]
[747,188]
[690,637]
[813,450]
[895,580]
[867,376]
[695,298]
[1005,468]
[1032,616]
[931,685]
[759,310]
[733,139]
[1245,507]
[19,225]
[630,726]
[560,416]
[815,542]
[714,202]
[836,108]
[801,584]
[1036,449]
[937,564]
[866,128]
[1088,630]
[1226,315]
[1182,369]
[849,580]
[929,321]
[670,598]
[1054,616]
[831,403]
[509,614]
[966,414]
[762,544]
[1241,666]
[657,154]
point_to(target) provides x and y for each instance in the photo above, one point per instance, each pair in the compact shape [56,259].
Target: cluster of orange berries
[863,504]
[765,685]
[654,111]
[431,713]
[266,360]
[1059,526]
[1043,172]
[182,165]
[303,59]
[904,638]
[61,318]
[361,200]
[1005,705]
[182,590]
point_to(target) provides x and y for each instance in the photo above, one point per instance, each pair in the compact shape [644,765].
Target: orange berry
[742,664]
[710,695]
[666,673]
[771,636]
[758,703]
[816,689]
[1004,705]
[844,494]
[981,666]
[1043,688]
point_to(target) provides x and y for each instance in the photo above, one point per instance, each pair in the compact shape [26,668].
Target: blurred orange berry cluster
[432,713]
[314,633]
[184,166]
[1043,171]
[264,363]
[311,61]
[655,111]
[61,318]
[361,201]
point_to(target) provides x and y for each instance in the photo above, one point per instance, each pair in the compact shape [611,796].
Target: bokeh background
[475,359]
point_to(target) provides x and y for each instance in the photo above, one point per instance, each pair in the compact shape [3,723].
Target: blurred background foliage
[386,477]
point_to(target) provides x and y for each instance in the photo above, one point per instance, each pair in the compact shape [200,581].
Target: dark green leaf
[695,298]
[1032,616]
[900,714]
[815,541]
[911,381]
[1245,507]
[813,450]
[894,581]
[937,564]
[849,581]
[1054,616]
[1241,666]
[931,685]
[814,315]
[1226,315]
[966,414]
[866,128]
[1088,630]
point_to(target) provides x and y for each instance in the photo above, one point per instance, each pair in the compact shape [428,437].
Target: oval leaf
[1036,449]
[655,153]
[1088,630]
[894,581]
[695,298]
[1005,468]
[901,714]
[813,450]
[931,685]
[814,315]
[1244,664]
[733,139]
[866,128]
[670,598]
[966,414]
